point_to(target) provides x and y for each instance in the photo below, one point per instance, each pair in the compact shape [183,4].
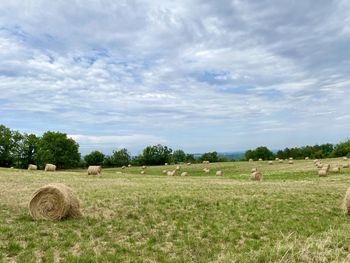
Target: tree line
[314,152]
[19,150]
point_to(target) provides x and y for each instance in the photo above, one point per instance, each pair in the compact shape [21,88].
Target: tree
[120,158]
[260,152]
[156,155]
[29,150]
[58,149]
[6,146]
[94,158]
[210,156]
[179,156]
[342,149]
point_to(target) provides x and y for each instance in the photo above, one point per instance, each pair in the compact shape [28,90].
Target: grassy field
[290,216]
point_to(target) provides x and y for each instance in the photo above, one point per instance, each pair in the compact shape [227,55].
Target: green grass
[291,216]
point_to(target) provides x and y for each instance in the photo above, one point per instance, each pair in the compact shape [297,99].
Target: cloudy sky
[197,75]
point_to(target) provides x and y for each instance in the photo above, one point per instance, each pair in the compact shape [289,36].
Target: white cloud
[176,70]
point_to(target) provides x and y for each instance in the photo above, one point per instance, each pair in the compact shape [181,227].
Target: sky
[196,75]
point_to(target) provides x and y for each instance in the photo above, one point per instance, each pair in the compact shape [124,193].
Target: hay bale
[345,158]
[189,164]
[94,170]
[322,173]
[336,169]
[50,167]
[123,167]
[129,165]
[280,161]
[32,167]
[177,167]
[346,165]
[290,158]
[54,202]
[260,159]
[277,159]
[346,202]
[270,162]
[290,162]
[184,174]
[166,164]
[142,172]
[206,170]
[307,158]
[256,176]
[165,171]
[250,160]
[326,167]
[254,170]
[144,167]
[219,173]
[206,162]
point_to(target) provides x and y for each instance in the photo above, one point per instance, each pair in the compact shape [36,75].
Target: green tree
[342,149]
[210,156]
[179,156]
[94,158]
[6,146]
[28,150]
[155,155]
[260,152]
[120,158]
[58,149]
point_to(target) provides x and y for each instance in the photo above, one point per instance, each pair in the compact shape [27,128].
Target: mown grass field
[290,216]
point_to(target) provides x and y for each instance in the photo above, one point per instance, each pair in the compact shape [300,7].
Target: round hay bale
[280,161]
[256,176]
[164,171]
[345,158]
[178,167]
[251,160]
[290,158]
[290,162]
[346,202]
[189,163]
[336,169]
[260,159]
[316,160]
[142,172]
[322,173]
[32,167]
[170,173]
[123,167]
[184,174]
[94,170]
[346,165]
[270,162]
[219,173]
[144,167]
[307,158]
[50,167]
[206,170]
[254,170]
[326,167]
[129,165]
[54,202]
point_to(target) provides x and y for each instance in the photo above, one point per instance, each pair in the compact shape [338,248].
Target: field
[290,216]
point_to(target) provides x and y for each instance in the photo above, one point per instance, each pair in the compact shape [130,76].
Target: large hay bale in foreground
[94,170]
[50,167]
[32,167]
[346,202]
[54,202]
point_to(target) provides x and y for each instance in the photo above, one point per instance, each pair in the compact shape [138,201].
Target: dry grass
[291,216]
